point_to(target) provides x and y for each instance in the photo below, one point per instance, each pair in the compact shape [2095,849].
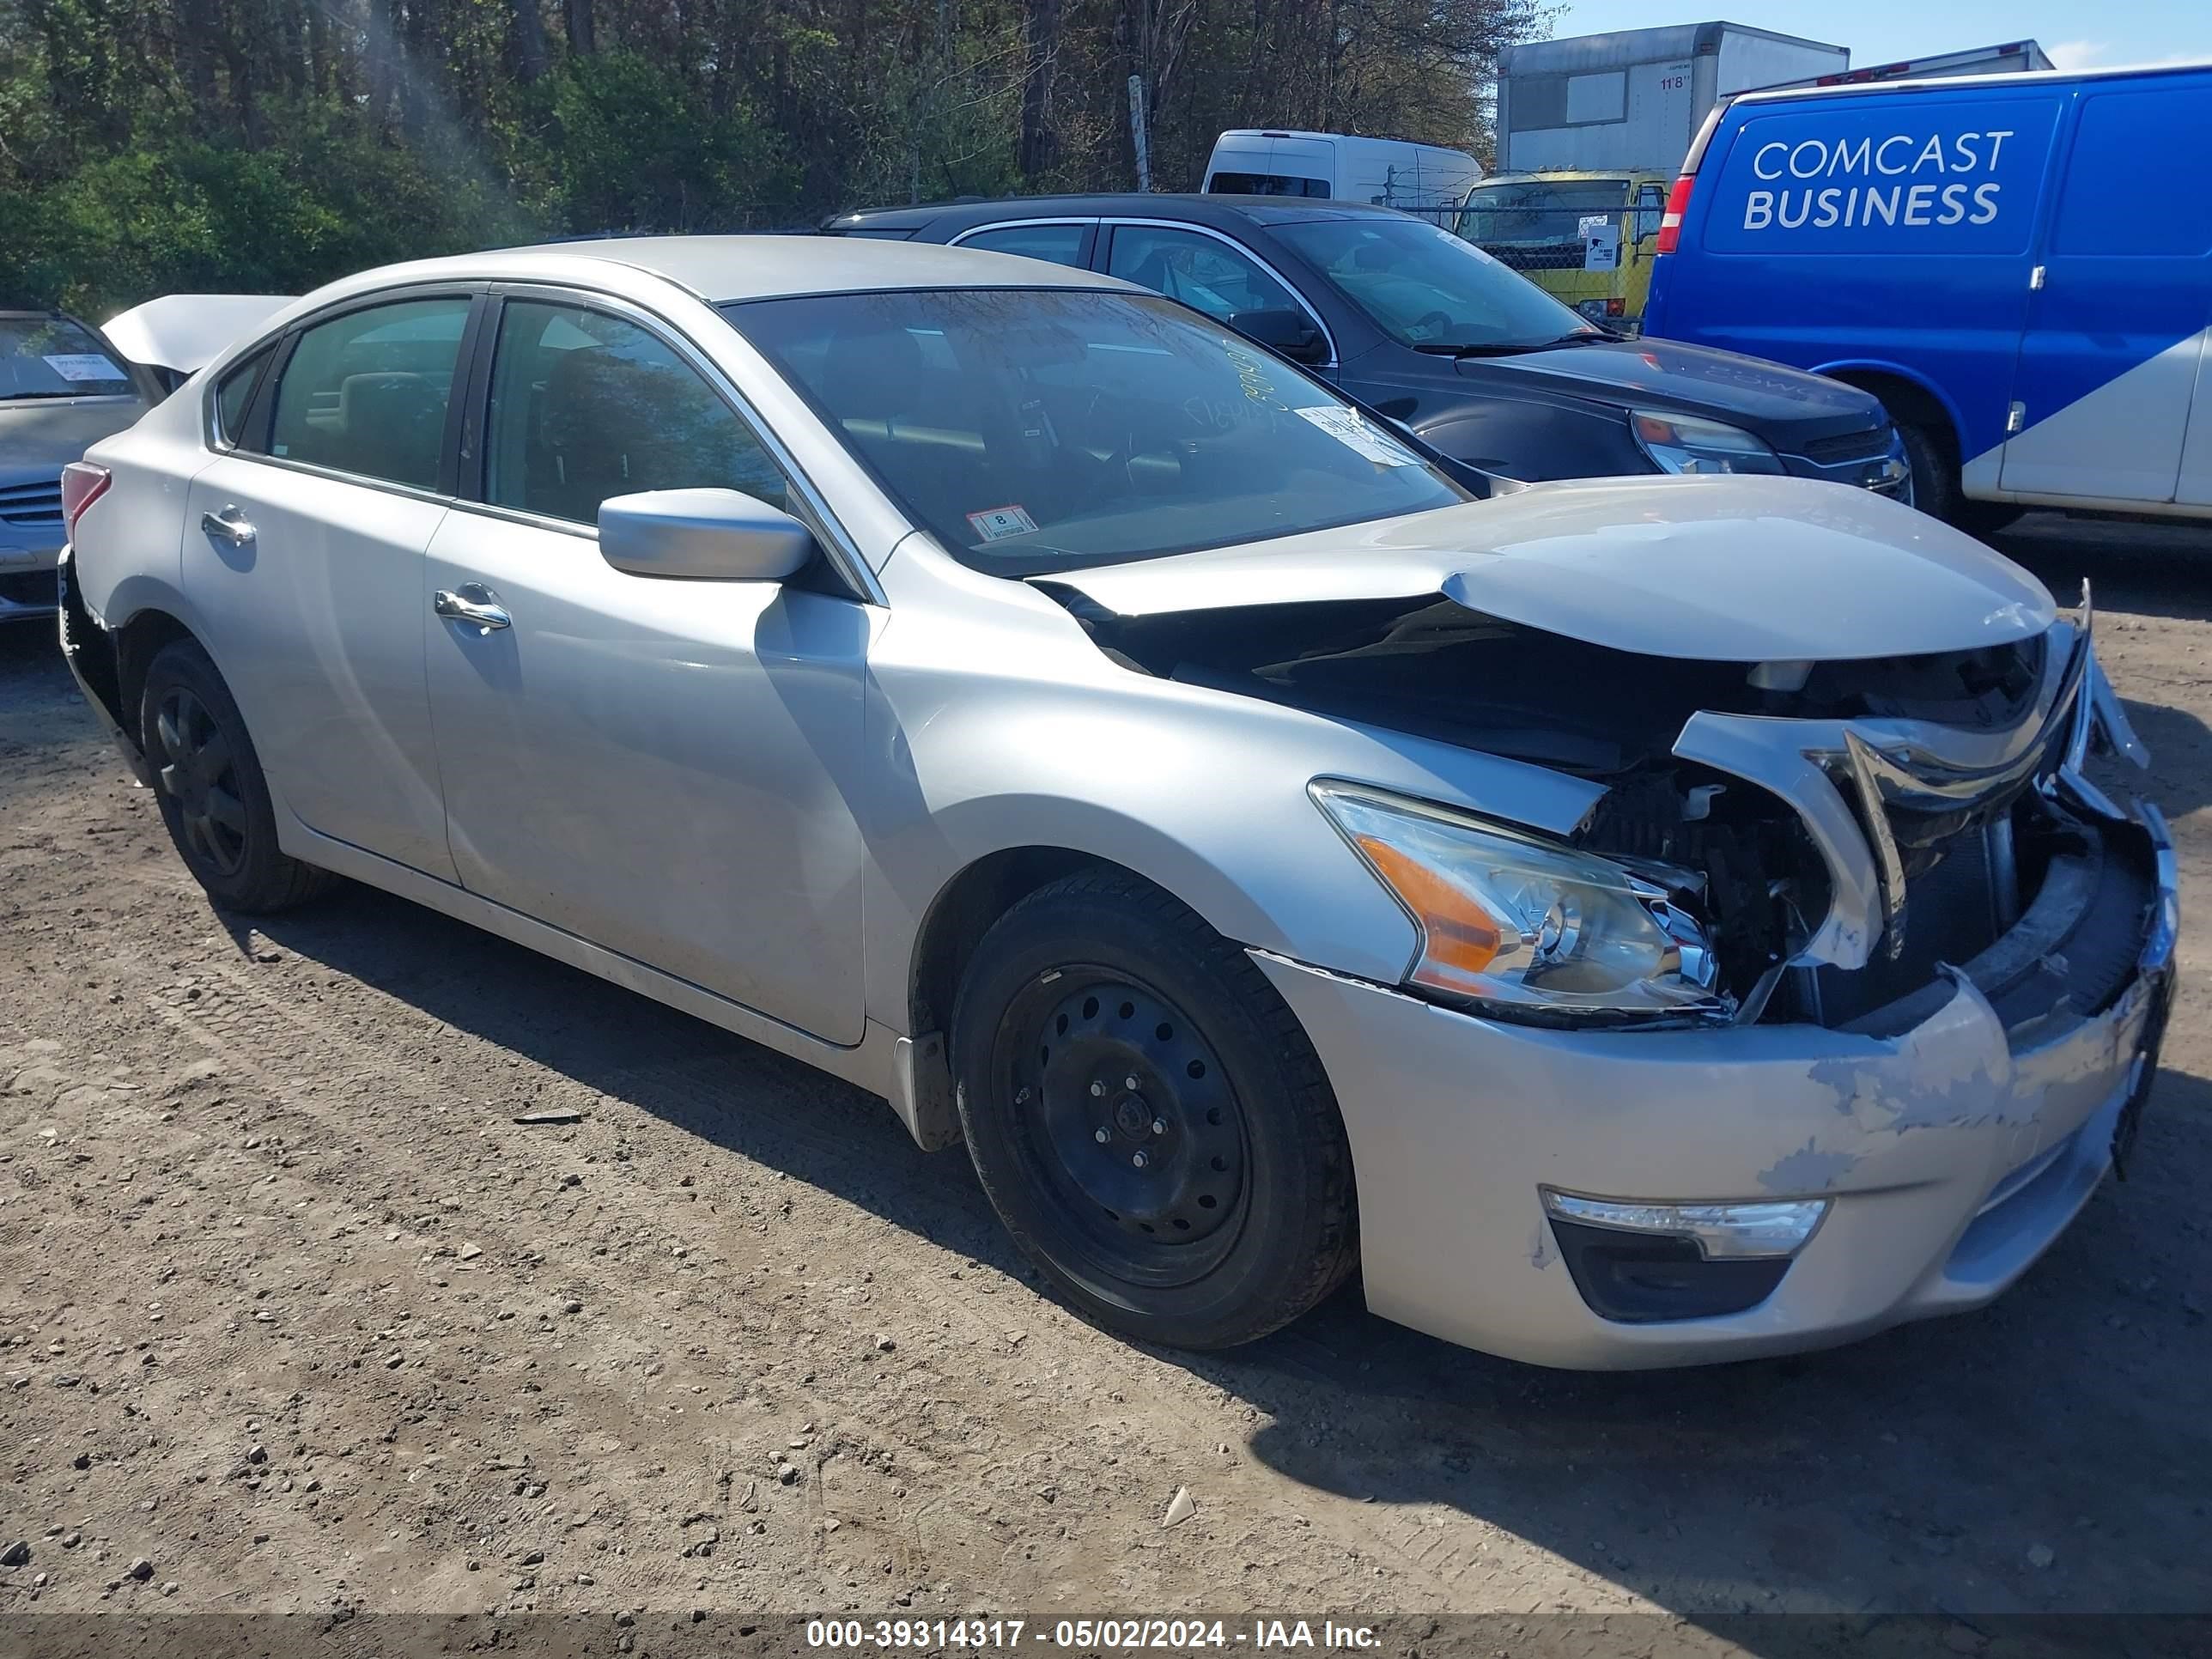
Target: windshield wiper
[1486,349]
[24,396]
[1512,348]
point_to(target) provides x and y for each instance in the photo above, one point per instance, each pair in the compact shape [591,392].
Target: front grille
[38,588]
[31,506]
[1849,447]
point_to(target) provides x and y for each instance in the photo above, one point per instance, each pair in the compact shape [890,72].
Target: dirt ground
[294,1315]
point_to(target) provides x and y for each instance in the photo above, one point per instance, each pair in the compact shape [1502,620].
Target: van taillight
[1670,222]
[82,484]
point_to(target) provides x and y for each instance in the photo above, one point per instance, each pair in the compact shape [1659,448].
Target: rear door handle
[471,603]
[231,525]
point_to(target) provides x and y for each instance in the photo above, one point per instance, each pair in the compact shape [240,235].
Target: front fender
[1200,791]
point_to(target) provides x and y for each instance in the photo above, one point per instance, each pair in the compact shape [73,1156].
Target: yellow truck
[1586,238]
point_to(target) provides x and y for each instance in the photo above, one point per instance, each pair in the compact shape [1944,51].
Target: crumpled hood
[40,436]
[1737,570]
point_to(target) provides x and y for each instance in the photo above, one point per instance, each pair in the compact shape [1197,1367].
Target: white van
[1336,165]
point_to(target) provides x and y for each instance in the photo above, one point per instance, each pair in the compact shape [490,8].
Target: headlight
[1683,443]
[1526,928]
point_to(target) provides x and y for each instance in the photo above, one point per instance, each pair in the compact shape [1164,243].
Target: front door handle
[231,525]
[471,603]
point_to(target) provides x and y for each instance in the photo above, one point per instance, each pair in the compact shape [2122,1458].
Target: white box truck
[1338,166]
[1632,100]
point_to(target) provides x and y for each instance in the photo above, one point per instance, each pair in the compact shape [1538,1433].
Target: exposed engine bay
[1961,858]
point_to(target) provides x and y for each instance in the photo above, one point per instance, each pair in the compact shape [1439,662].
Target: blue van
[2019,267]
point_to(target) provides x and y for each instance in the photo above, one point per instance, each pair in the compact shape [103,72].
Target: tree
[152,145]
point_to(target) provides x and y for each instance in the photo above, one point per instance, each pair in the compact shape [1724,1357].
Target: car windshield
[1539,212]
[54,357]
[1426,288]
[1039,430]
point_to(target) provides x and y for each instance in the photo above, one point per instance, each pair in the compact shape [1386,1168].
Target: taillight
[82,484]
[1670,222]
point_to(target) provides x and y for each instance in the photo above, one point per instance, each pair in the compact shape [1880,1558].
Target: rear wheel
[213,797]
[1148,1119]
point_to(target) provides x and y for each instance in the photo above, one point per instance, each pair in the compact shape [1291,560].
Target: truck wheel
[1148,1119]
[209,782]
[1935,471]
[1935,488]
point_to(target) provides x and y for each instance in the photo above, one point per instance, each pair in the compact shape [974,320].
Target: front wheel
[213,799]
[1148,1118]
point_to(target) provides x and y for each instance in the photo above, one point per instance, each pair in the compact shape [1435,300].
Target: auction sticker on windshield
[83,366]
[1347,427]
[997,522]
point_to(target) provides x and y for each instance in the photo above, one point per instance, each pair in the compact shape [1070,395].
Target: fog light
[1721,1232]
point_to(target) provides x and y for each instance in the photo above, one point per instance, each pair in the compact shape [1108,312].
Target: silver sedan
[1637,923]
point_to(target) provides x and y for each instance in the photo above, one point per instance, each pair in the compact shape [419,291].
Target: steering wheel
[1431,326]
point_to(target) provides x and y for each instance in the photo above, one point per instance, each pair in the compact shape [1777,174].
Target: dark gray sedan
[63,388]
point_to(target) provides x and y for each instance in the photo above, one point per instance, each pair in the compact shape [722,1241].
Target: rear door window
[1064,245]
[367,392]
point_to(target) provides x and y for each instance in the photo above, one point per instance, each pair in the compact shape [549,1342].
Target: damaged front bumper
[1622,1199]
[1951,1153]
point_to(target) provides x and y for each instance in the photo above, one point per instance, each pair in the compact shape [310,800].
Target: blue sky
[2077,33]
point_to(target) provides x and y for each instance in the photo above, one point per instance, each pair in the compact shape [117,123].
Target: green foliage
[174,213]
[627,148]
[158,146]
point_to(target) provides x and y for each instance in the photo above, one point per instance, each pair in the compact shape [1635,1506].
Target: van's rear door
[2109,359]
[1270,166]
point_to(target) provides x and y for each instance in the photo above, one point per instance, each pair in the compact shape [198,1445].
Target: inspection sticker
[83,366]
[995,524]
[1351,429]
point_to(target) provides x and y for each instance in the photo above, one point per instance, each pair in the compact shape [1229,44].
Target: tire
[1933,457]
[1206,1207]
[1935,470]
[213,797]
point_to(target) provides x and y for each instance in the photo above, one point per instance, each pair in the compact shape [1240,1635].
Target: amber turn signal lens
[1461,933]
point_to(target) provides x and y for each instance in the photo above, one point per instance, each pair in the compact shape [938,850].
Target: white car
[1639,922]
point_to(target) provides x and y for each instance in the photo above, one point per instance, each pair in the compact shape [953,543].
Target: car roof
[724,269]
[1208,209]
[1575,175]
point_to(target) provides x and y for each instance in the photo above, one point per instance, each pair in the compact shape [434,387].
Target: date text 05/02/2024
[1168,1635]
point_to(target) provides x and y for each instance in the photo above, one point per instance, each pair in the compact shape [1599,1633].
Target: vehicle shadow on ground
[1922,1470]
[1915,1471]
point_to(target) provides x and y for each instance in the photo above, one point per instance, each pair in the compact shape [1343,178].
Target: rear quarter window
[1908,174]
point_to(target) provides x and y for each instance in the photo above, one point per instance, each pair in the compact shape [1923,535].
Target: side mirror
[1291,332]
[706,535]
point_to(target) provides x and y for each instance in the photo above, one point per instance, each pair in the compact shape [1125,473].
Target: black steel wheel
[1129,1120]
[208,779]
[1148,1118]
